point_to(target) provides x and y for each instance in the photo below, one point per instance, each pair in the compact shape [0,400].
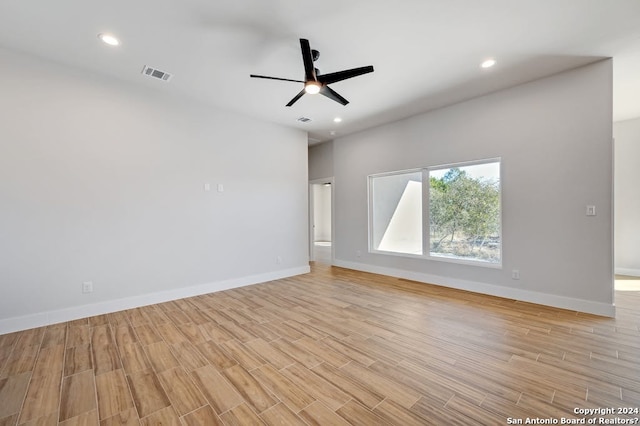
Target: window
[397,212]
[464,212]
[461,206]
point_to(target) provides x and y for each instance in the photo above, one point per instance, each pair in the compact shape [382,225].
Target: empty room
[336,213]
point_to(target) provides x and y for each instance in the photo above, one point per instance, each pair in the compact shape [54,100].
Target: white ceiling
[426,53]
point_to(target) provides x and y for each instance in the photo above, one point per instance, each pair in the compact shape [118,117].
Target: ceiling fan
[314,82]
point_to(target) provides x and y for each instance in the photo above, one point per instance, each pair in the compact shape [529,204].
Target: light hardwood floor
[333,347]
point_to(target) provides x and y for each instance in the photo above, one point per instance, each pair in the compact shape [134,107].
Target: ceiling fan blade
[343,75]
[275,78]
[332,94]
[296,97]
[307,58]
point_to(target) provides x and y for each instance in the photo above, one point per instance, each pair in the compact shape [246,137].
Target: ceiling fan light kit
[312,87]
[315,82]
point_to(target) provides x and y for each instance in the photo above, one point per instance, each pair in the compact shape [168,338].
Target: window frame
[370,202]
[426,237]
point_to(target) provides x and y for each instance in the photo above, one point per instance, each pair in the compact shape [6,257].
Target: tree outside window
[464,212]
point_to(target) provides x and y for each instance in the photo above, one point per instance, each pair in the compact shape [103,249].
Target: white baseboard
[26,322]
[563,302]
[628,272]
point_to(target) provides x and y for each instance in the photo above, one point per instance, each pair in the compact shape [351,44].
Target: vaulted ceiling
[426,53]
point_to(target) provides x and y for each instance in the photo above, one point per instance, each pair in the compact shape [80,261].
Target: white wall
[103,181]
[554,137]
[321,161]
[627,197]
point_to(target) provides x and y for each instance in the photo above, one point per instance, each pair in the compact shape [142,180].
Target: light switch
[591,210]
[207,187]
[220,187]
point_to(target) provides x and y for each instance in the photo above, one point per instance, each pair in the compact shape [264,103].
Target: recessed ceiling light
[488,63]
[109,39]
[337,120]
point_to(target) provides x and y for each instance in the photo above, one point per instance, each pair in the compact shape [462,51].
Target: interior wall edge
[562,302]
[41,319]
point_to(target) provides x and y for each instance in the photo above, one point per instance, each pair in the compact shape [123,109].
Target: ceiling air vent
[156,73]
[304,119]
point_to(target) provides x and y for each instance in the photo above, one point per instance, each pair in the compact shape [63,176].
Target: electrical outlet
[278,260]
[515,274]
[87,287]
[358,253]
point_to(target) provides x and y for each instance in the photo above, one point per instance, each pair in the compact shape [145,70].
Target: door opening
[321,221]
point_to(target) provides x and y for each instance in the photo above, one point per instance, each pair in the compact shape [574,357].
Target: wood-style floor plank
[243,354]
[134,358]
[284,389]
[113,394]
[148,394]
[358,415]
[183,393]
[43,397]
[202,416]
[188,356]
[78,395]
[20,361]
[241,415]
[281,415]
[397,391]
[317,414]
[165,417]
[124,418]
[356,389]
[50,360]
[77,359]
[216,389]
[12,393]
[216,355]
[85,419]
[78,335]
[105,358]
[250,389]
[270,353]
[54,335]
[319,388]
[333,347]
[147,334]
[160,356]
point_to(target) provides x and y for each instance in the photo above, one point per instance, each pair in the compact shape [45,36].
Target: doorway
[626,202]
[321,221]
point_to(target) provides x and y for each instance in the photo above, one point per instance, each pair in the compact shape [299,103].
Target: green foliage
[464,215]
